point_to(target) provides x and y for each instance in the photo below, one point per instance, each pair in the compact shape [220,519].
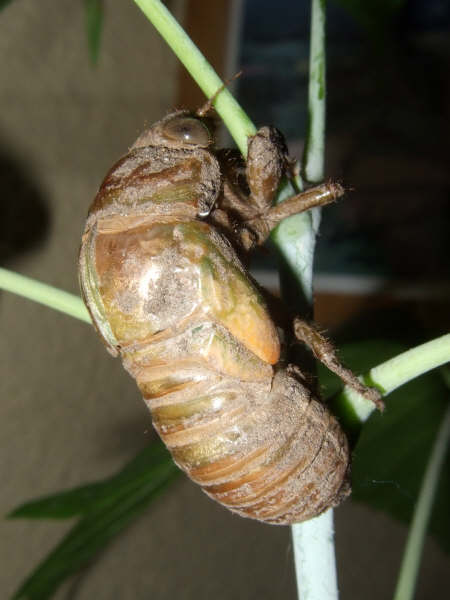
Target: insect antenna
[205,108]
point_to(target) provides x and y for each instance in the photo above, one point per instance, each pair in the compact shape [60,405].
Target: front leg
[267,163]
[320,195]
[324,351]
[267,160]
[245,209]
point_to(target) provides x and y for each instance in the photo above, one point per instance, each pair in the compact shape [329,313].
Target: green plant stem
[354,410]
[44,294]
[411,558]
[295,237]
[404,367]
[314,154]
[313,541]
[315,562]
[235,119]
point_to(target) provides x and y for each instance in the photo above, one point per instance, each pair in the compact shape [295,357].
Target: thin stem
[354,410]
[44,294]
[412,363]
[296,237]
[315,562]
[235,119]
[314,154]
[411,558]
[314,552]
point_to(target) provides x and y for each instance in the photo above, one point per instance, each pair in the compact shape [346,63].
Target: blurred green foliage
[105,509]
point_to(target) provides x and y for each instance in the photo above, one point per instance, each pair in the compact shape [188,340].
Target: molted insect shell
[169,294]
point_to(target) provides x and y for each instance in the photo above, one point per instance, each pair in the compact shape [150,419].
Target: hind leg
[324,351]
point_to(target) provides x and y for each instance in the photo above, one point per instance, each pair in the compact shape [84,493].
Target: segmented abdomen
[173,299]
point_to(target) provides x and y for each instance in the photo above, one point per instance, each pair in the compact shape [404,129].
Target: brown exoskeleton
[161,276]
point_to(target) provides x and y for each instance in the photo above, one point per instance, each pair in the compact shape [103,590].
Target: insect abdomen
[172,298]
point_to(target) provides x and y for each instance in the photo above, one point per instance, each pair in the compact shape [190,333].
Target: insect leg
[324,351]
[266,165]
[208,105]
[320,195]
[326,193]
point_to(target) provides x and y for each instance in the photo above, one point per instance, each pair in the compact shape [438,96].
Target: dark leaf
[94,26]
[87,497]
[62,505]
[393,449]
[131,492]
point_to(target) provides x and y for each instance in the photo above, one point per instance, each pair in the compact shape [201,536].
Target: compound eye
[187,130]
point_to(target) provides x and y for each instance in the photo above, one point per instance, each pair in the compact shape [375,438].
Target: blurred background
[69,413]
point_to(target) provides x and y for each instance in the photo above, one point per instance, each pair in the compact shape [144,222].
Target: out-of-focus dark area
[386,244]
[69,413]
[24,218]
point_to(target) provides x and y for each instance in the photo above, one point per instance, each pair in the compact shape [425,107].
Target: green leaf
[393,448]
[84,498]
[62,505]
[94,26]
[131,491]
